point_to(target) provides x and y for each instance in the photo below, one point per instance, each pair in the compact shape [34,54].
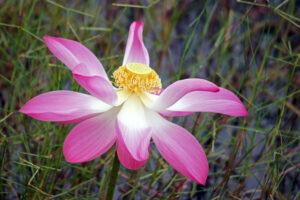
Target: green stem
[113,178]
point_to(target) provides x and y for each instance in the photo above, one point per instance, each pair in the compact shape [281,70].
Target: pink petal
[90,139]
[180,88]
[179,148]
[64,106]
[133,132]
[174,113]
[224,102]
[127,160]
[96,85]
[71,53]
[136,51]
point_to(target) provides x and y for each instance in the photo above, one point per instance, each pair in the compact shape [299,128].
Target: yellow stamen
[137,77]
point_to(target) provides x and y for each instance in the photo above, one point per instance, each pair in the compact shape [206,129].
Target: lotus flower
[132,111]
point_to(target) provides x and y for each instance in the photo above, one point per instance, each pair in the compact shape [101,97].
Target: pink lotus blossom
[131,112]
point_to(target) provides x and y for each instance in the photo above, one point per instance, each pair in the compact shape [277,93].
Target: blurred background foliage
[249,47]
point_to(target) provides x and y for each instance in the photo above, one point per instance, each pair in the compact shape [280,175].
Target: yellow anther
[137,77]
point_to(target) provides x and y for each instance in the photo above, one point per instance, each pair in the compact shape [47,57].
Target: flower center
[137,77]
